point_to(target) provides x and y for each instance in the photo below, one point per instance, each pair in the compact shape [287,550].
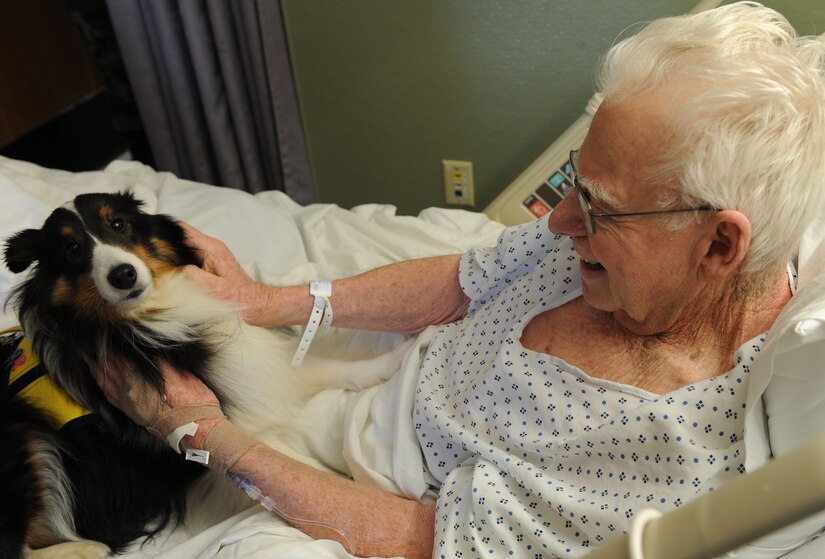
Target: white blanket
[278,242]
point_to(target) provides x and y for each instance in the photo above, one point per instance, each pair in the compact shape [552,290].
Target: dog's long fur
[106,281]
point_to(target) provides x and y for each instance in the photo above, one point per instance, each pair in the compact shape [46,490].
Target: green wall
[389,88]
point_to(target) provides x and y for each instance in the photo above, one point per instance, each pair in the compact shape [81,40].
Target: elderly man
[594,363]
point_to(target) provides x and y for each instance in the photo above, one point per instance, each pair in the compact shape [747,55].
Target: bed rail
[784,491]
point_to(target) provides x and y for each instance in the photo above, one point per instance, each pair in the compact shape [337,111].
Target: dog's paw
[71,550]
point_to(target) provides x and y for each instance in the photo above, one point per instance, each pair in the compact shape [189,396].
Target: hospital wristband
[321,314]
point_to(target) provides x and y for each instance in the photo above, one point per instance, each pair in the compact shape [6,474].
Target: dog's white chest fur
[250,365]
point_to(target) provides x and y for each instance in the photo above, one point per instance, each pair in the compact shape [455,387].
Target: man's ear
[22,250]
[728,238]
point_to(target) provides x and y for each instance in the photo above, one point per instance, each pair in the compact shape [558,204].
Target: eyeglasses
[584,202]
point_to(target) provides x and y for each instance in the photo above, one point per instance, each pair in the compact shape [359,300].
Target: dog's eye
[117,224]
[72,249]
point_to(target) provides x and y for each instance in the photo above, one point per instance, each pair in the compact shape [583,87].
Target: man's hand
[223,276]
[141,401]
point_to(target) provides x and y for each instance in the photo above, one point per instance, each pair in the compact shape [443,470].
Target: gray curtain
[214,86]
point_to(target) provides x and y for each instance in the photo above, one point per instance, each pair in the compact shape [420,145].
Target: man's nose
[566,218]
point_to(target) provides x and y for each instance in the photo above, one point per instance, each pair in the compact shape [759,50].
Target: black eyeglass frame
[584,202]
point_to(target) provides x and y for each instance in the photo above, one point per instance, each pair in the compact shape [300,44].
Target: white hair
[748,128]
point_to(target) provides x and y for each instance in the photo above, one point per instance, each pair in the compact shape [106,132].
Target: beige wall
[389,88]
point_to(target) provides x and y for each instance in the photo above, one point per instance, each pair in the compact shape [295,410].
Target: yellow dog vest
[30,381]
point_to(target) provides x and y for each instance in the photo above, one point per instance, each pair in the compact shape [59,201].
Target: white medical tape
[322,291]
[637,530]
[197,455]
[177,435]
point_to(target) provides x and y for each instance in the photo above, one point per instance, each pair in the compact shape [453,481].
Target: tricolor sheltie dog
[105,280]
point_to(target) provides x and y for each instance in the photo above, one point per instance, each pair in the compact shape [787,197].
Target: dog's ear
[23,249]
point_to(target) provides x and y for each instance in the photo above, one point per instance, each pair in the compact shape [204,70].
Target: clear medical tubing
[255,494]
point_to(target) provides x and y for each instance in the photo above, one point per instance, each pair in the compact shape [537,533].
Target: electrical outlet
[458,182]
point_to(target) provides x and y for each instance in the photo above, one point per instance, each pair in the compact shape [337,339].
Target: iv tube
[254,493]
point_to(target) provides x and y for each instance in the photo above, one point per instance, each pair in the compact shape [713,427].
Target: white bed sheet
[279,242]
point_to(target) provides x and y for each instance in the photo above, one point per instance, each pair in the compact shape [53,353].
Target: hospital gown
[535,458]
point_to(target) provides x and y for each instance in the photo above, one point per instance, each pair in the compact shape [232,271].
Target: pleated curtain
[214,86]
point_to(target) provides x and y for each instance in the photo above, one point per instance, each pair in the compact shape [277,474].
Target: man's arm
[375,522]
[401,297]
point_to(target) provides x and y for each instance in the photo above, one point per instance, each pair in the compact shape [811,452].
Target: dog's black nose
[123,276]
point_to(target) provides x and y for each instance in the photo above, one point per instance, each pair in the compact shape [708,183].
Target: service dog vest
[28,379]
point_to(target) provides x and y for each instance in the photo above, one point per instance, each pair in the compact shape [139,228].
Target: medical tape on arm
[224,444]
[146,407]
[174,423]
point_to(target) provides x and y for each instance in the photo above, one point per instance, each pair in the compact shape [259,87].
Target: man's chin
[597,298]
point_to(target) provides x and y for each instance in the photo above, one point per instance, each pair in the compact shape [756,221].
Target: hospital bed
[542,185]
[786,490]
[280,242]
